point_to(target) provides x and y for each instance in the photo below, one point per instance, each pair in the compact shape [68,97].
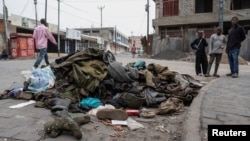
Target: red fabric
[133,48]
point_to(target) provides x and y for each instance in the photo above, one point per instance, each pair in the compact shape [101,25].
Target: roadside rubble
[139,97]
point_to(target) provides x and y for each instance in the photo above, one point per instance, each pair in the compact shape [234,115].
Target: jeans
[42,54]
[233,60]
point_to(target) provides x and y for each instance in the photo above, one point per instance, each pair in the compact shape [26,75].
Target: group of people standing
[216,46]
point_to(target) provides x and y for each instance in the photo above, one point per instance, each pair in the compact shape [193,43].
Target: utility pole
[35,3]
[115,40]
[45,16]
[5,27]
[101,8]
[221,13]
[147,18]
[132,38]
[147,10]
[58,29]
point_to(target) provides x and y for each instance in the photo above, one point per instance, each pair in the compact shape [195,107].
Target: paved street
[222,101]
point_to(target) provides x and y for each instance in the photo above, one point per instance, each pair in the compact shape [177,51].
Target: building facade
[136,40]
[68,42]
[113,39]
[182,18]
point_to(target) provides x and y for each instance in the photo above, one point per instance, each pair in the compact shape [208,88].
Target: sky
[128,16]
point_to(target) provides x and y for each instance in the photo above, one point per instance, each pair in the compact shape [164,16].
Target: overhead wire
[110,17]
[142,22]
[66,3]
[68,13]
[25,7]
[32,13]
[75,8]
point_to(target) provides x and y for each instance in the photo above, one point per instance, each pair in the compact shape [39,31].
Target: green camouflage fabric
[171,106]
[133,101]
[148,77]
[162,72]
[59,124]
[86,69]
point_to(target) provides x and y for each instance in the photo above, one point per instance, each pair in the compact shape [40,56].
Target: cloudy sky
[129,16]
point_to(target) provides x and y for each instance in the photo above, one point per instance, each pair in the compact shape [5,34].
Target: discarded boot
[75,108]
[58,104]
[113,114]
[59,124]
[133,101]
[52,129]
[171,106]
[80,120]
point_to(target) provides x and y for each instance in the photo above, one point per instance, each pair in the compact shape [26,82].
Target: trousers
[42,54]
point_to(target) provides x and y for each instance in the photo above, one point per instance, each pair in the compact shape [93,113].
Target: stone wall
[176,43]
[245,48]
[186,7]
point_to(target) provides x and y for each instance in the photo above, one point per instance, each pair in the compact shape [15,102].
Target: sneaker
[235,75]
[207,75]
[229,74]
[200,74]
[216,75]
[43,66]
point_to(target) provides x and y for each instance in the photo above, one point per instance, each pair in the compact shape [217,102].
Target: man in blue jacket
[236,35]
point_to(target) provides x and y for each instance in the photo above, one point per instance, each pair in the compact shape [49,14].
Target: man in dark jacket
[236,35]
[201,63]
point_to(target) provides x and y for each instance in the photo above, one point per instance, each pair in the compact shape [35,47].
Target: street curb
[193,123]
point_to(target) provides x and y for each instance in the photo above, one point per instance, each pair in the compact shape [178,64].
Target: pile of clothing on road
[87,79]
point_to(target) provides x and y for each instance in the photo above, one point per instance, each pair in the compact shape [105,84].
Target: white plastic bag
[133,125]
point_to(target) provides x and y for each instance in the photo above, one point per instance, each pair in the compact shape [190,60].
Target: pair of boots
[215,70]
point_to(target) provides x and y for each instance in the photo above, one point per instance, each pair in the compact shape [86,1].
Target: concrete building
[182,18]
[114,40]
[70,40]
[136,40]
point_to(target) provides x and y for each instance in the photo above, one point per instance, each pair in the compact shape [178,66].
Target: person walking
[201,62]
[41,36]
[133,50]
[217,45]
[236,35]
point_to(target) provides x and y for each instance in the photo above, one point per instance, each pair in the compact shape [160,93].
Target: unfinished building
[182,18]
